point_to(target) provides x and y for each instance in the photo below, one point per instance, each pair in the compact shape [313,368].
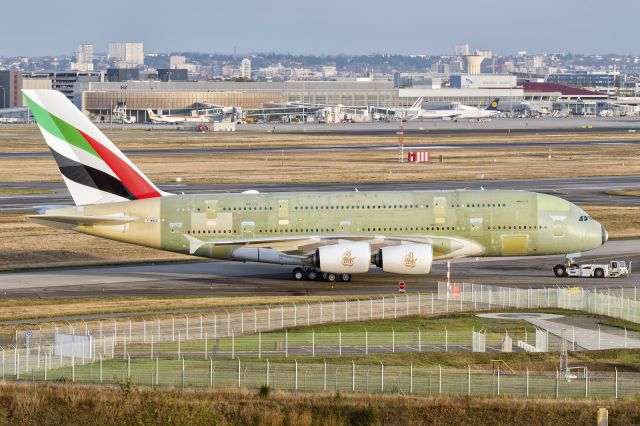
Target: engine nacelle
[345,258]
[410,259]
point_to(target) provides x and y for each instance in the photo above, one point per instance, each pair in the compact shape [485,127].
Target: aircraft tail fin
[93,168]
[418,103]
[493,105]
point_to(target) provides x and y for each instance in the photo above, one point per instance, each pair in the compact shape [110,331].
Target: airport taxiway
[220,278]
[419,126]
[349,148]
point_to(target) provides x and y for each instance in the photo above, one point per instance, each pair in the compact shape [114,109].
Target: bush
[264,391]
[363,417]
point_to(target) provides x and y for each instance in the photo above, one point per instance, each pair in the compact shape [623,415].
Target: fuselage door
[283,212]
[345,226]
[475,225]
[212,212]
[559,225]
[248,229]
[440,209]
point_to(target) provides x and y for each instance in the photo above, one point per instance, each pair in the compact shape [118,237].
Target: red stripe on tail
[135,183]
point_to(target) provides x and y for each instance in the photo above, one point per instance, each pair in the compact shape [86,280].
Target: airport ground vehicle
[613,269]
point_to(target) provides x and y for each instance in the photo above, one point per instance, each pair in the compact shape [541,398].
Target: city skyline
[418,28]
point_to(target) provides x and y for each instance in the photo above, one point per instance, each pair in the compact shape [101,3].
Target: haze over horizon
[330,27]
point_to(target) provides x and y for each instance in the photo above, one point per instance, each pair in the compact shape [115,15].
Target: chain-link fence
[172,351]
[343,377]
[455,297]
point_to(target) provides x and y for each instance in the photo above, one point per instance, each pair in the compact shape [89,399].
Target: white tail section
[93,168]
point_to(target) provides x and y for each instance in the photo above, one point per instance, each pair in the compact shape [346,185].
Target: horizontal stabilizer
[81,220]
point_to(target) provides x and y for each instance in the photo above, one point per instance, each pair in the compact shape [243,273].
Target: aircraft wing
[301,245]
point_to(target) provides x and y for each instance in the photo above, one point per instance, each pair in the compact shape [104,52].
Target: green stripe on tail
[59,128]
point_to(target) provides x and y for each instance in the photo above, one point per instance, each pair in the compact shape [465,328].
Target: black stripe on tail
[91,177]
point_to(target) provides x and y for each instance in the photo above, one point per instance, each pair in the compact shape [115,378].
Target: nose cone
[605,235]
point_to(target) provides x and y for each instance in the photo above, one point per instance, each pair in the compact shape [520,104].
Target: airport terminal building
[97,99]
[264,99]
[100,99]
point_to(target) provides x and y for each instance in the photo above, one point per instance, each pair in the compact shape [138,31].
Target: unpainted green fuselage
[457,223]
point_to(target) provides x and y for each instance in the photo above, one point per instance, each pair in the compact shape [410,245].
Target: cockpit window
[584,218]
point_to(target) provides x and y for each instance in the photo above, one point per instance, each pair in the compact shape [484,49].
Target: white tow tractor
[613,269]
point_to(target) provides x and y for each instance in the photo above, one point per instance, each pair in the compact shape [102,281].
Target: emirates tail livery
[319,234]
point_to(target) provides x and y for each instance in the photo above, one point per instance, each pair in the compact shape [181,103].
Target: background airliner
[460,111]
[175,119]
[329,234]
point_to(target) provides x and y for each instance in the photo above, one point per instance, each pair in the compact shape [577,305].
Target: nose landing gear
[310,274]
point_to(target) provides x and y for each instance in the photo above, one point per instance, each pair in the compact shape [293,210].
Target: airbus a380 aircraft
[333,233]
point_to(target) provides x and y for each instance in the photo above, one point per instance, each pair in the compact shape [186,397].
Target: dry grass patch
[370,166]
[29,139]
[625,192]
[25,191]
[68,404]
[11,309]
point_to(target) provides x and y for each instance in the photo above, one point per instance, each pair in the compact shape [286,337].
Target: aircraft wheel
[298,274]
[345,277]
[332,277]
[560,271]
[312,275]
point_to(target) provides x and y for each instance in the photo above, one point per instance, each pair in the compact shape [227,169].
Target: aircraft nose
[605,235]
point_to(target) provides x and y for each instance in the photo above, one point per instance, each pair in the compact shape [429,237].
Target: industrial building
[127,55]
[84,58]
[123,74]
[483,81]
[585,79]
[10,85]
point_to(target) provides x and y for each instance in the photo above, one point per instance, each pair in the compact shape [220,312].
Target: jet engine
[344,258]
[410,259]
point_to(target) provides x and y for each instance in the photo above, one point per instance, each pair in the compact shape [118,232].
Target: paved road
[589,339]
[496,125]
[347,148]
[588,190]
[217,278]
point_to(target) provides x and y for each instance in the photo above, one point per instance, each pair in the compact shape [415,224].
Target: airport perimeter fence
[349,377]
[611,302]
[238,321]
[78,351]
[286,344]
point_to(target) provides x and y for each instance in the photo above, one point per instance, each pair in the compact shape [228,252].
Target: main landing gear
[301,274]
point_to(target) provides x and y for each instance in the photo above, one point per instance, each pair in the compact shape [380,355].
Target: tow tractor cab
[613,269]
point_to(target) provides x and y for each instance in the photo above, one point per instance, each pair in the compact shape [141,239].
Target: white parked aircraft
[464,111]
[176,119]
[411,113]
